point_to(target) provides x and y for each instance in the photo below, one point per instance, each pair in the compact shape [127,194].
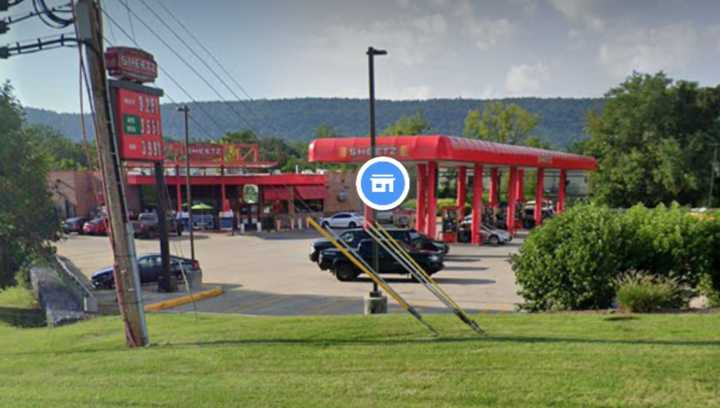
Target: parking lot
[270,274]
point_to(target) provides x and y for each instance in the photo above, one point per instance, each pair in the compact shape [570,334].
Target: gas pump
[450,224]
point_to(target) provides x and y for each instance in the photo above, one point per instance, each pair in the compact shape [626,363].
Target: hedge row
[575,259]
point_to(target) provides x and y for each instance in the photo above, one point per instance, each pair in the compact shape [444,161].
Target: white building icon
[382,183]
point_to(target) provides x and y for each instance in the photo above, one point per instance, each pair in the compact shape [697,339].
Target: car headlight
[434,258]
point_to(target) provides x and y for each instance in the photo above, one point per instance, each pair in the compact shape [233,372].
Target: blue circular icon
[382,183]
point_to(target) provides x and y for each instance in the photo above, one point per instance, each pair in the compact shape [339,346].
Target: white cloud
[414,92]
[486,34]
[653,49]
[528,6]
[526,80]
[583,12]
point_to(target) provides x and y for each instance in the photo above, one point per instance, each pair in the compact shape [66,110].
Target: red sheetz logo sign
[131,64]
[392,151]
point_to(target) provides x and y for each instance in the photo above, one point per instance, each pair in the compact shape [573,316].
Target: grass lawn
[560,360]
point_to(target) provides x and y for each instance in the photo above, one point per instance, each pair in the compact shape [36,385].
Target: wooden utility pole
[127,280]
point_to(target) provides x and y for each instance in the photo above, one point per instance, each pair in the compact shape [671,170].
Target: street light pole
[371,53]
[188,190]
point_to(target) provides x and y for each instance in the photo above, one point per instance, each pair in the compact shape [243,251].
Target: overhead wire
[190,67]
[197,41]
[201,59]
[170,77]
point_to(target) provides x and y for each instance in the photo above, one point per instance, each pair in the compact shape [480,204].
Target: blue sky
[437,48]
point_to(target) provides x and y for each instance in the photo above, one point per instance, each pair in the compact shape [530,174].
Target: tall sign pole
[371,53]
[127,281]
[188,189]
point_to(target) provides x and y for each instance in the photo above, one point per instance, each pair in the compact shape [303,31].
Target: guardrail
[69,273]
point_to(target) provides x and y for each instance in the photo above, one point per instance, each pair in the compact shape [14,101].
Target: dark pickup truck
[147,225]
[344,270]
[410,237]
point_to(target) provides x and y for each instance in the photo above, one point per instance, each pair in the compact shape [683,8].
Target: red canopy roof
[444,149]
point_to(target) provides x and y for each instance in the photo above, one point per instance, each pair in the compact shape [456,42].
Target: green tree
[500,122]
[325,130]
[244,136]
[408,125]
[28,220]
[652,141]
[61,152]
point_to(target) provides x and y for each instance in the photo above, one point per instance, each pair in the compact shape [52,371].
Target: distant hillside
[563,119]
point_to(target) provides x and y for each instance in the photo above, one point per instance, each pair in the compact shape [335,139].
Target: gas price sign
[138,126]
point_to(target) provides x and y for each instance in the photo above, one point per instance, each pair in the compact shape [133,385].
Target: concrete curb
[183,300]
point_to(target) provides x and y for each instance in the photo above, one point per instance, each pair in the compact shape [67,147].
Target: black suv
[344,270]
[352,237]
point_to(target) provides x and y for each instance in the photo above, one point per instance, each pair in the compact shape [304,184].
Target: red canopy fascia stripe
[447,149]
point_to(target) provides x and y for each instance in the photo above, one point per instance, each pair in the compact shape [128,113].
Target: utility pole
[127,280]
[371,53]
[188,190]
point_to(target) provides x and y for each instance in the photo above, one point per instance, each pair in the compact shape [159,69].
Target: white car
[494,236]
[343,220]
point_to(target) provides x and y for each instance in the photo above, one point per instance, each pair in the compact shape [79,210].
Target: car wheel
[352,225]
[493,240]
[346,273]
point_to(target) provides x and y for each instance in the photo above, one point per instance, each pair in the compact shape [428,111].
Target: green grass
[561,360]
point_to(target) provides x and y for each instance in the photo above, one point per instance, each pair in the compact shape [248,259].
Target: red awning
[311,192]
[446,149]
[272,193]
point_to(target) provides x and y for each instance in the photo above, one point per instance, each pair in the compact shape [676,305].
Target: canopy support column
[461,192]
[477,208]
[561,191]
[420,209]
[432,200]
[539,189]
[520,194]
[512,197]
[494,190]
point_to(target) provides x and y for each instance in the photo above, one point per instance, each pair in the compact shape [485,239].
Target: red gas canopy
[444,149]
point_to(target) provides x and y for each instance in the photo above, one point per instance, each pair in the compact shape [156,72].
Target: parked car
[150,267]
[489,234]
[494,236]
[97,226]
[74,224]
[344,270]
[343,220]
[353,237]
[147,225]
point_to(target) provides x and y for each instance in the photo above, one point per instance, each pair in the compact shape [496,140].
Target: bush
[645,294]
[573,260]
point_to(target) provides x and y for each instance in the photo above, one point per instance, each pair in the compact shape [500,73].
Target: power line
[187,64]
[167,74]
[130,22]
[201,59]
[190,33]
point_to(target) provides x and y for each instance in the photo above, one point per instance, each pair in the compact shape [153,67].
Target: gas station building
[470,157]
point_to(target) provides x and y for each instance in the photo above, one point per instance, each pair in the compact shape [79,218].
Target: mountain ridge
[562,120]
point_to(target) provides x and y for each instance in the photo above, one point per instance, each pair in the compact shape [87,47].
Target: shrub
[572,261]
[639,293]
